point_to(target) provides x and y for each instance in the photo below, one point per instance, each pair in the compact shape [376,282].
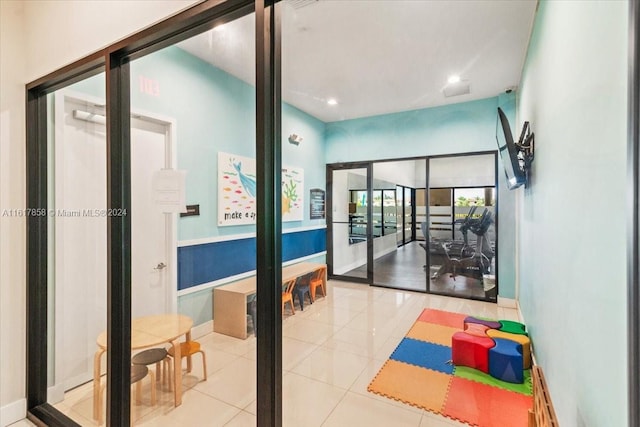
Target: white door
[149,257]
[80,226]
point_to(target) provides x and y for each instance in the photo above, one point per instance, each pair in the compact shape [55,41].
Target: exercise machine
[479,263]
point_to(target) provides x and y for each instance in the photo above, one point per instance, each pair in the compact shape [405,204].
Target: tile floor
[331,351]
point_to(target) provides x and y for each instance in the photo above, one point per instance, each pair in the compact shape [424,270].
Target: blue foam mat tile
[424,354]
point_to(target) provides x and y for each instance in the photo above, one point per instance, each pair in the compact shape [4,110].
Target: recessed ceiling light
[454,79]
[332,101]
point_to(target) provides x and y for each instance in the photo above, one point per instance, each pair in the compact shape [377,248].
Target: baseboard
[55,394]
[520,316]
[507,302]
[13,412]
[202,329]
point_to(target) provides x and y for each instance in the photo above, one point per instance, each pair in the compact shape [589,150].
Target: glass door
[462,232]
[349,224]
[398,259]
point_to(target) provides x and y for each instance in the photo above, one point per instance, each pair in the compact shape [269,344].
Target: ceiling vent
[299,4]
[456,89]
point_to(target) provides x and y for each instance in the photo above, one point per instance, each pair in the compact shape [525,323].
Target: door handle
[160,266]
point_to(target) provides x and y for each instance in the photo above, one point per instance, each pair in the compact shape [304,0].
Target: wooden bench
[230,300]
[542,414]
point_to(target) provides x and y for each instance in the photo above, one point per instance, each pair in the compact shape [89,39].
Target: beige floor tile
[234,384]
[310,331]
[308,402]
[228,344]
[22,423]
[196,407]
[361,343]
[372,321]
[434,420]
[349,302]
[216,359]
[358,410]
[333,367]
[243,419]
[294,351]
[251,408]
[331,315]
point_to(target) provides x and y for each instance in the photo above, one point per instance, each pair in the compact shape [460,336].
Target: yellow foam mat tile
[419,387]
[432,332]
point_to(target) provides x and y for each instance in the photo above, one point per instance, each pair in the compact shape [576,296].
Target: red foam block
[471,350]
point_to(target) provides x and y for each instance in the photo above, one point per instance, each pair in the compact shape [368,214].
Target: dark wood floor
[404,269]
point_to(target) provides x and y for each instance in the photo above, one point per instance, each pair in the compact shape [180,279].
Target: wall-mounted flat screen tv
[509,152]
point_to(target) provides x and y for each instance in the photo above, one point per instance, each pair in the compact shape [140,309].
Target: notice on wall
[169,190]
[317,203]
[237,191]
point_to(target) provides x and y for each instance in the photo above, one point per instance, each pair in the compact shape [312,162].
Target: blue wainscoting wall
[204,263]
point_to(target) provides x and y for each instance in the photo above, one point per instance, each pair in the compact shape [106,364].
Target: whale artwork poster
[237,191]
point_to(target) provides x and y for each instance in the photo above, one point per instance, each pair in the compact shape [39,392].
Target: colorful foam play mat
[474,370]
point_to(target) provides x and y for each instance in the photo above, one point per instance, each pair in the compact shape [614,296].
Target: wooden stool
[157,356]
[138,372]
[188,349]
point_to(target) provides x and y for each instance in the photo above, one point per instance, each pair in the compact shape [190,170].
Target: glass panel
[462,226]
[400,215]
[77,248]
[408,215]
[397,265]
[193,213]
[349,222]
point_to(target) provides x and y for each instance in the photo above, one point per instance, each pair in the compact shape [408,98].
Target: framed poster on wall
[316,203]
[237,191]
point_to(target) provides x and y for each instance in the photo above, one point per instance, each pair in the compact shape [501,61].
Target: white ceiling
[382,56]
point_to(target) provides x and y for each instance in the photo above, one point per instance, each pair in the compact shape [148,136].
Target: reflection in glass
[77,241]
[398,258]
[349,222]
[462,227]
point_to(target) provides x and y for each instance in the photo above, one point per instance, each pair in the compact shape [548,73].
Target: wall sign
[192,210]
[317,203]
[237,191]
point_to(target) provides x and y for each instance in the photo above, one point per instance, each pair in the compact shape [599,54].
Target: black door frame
[329,189]
[114,60]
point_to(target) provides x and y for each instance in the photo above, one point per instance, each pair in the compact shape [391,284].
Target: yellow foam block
[520,339]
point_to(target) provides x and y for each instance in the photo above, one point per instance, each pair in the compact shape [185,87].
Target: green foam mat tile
[525,388]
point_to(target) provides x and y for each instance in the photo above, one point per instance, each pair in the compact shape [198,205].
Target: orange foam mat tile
[444,318]
[419,387]
[432,332]
[485,406]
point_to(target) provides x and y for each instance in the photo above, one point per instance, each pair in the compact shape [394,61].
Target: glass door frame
[369,220]
[404,213]
[114,61]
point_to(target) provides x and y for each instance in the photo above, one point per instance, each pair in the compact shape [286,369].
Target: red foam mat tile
[485,406]
[444,318]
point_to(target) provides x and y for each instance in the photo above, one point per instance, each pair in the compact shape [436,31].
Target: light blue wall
[572,240]
[216,112]
[450,129]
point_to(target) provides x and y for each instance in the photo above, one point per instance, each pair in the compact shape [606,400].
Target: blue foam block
[424,354]
[505,361]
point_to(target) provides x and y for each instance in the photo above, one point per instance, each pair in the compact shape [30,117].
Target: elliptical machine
[479,262]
